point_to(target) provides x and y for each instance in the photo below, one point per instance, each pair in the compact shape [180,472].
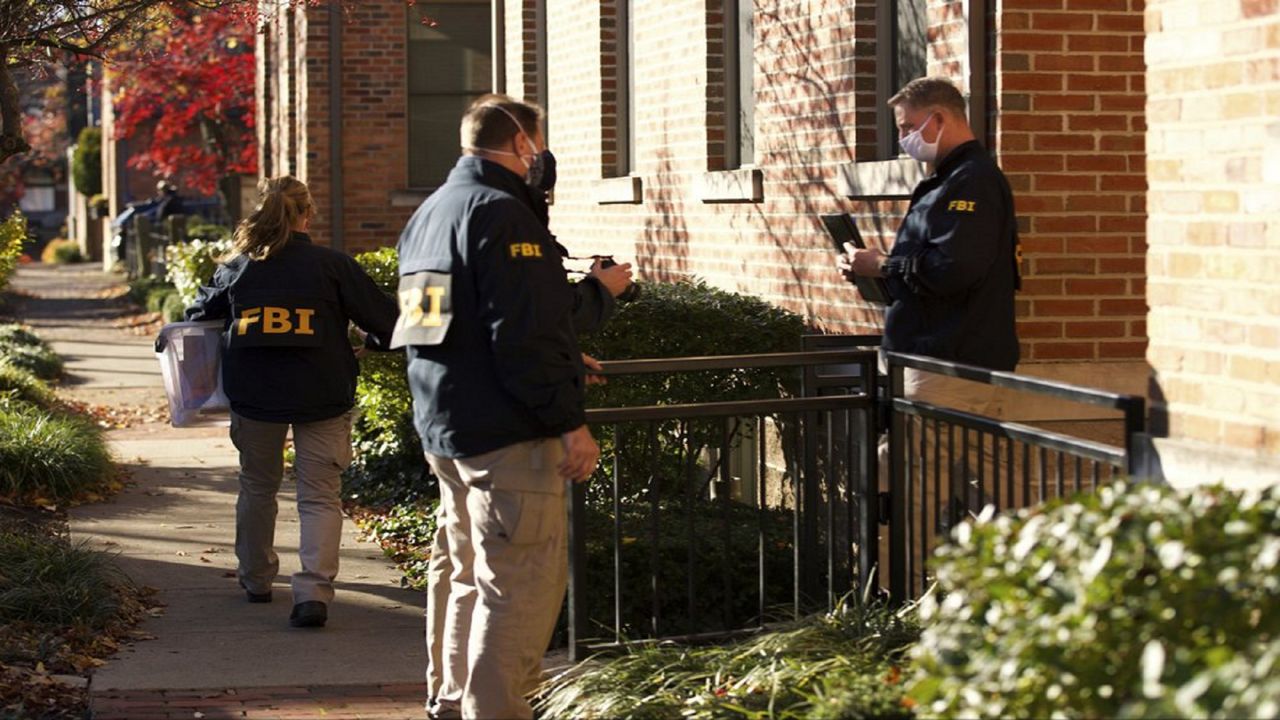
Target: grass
[49,457]
[46,582]
[845,664]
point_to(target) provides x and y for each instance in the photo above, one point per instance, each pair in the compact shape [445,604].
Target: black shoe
[311,613]
[262,597]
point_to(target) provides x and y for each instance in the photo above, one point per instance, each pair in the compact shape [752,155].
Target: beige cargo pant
[938,468]
[504,522]
[323,451]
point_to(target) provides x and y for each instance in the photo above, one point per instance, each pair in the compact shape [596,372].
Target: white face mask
[915,146]
[534,164]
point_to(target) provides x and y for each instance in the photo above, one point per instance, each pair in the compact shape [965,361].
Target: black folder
[843,230]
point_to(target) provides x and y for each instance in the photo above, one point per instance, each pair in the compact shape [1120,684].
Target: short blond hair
[931,92]
[485,126]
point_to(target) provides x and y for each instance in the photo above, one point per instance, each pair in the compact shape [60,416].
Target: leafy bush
[173,309]
[12,334]
[60,251]
[143,289]
[389,467]
[86,162]
[46,582]
[841,665]
[192,264]
[405,533]
[19,385]
[1136,601]
[18,350]
[50,457]
[13,235]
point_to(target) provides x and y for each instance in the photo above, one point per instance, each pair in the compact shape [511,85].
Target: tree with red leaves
[43,33]
[188,92]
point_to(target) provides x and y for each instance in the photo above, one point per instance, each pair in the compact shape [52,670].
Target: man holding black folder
[953,270]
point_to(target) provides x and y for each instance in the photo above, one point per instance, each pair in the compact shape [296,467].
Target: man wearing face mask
[594,296]
[486,315]
[953,269]
[952,272]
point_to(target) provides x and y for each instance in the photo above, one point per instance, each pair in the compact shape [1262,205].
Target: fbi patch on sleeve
[426,309]
[963,206]
[524,251]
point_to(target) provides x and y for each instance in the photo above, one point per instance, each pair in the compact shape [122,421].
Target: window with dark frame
[450,65]
[626,118]
[739,73]
[902,35]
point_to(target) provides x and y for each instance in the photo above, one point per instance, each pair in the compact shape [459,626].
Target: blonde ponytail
[283,202]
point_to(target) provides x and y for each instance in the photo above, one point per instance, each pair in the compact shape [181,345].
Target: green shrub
[149,292]
[13,235]
[389,467]
[12,334]
[840,665]
[39,360]
[86,162]
[51,457]
[172,308]
[157,296]
[19,385]
[1136,601]
[405,532]
[48,583]
[61,251]
[192,264]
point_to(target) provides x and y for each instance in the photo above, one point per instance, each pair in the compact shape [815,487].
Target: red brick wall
[1214,168]
[374,101]
[1070,93]
[1071,143]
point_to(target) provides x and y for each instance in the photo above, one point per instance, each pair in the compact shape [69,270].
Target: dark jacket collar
[298,236]
[956,156]
[474,168]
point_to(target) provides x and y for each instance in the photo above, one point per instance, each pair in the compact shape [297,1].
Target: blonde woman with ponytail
[287,363]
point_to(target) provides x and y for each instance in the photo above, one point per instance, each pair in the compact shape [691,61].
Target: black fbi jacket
[953,270]
[287,357]
[486,317]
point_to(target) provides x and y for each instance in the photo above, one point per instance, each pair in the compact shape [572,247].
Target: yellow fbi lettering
[411,310]
[524,250]
[962,205]
[277,320]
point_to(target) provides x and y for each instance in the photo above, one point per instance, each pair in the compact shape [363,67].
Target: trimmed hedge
[1136,601]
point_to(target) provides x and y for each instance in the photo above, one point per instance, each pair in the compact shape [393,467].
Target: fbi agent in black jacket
[287,361]
[953,269]
[497,380]
[952,273]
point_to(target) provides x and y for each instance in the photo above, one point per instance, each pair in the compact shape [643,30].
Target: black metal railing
[946,464]
[717,516]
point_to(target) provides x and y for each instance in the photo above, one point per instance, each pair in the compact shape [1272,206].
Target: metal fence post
[577,605]
[897,487]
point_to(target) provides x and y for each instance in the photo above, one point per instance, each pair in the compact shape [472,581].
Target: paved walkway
[213,655]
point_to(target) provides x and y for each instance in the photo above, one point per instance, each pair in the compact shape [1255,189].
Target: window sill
[744,185]
[627,190]
[409,197]
[880,179]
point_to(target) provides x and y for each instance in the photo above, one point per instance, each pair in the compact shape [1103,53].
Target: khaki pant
[504,520]
[939,476]
[323,451]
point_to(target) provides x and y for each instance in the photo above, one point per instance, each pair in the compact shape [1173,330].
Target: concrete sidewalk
[214,655]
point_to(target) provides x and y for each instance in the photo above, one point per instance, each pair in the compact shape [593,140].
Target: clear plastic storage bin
[190,355]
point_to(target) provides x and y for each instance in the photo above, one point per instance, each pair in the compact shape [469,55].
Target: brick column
[1214,228]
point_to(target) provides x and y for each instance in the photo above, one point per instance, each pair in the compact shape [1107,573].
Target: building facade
[703,138]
